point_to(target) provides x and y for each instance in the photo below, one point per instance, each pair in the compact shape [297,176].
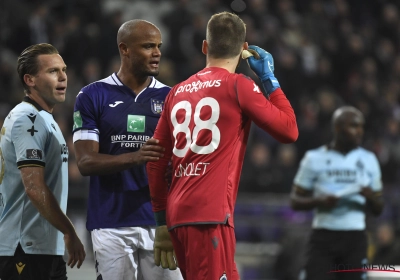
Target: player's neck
[135,83]
[41,102]
[229,64]
[341,148]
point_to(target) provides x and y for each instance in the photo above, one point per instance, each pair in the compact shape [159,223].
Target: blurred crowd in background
[327,53]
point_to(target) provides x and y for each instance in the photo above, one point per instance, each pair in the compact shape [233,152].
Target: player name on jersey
[191,169]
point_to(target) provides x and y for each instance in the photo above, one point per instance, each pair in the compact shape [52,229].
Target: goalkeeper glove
[264,69]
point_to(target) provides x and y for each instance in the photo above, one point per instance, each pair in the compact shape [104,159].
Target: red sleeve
[275,116]
[156,170]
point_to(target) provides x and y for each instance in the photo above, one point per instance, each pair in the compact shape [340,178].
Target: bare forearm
[375,204]
[48,207]
[103,164]
[374,200]
[303,203]
[91,162]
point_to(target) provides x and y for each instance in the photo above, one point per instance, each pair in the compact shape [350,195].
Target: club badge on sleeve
[34,154]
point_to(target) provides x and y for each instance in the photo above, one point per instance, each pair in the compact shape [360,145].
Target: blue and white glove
[264,69]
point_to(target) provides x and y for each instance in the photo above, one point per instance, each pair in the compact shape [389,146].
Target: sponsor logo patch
[136,123]
[34,154]
[195,86]
[77,120]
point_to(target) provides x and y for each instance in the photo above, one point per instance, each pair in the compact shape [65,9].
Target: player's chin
[153,72]
[60,98]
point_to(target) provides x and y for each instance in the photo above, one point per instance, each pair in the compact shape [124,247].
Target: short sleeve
[306,175]
[162,131]
[84,113]
[374,173]
[29,136]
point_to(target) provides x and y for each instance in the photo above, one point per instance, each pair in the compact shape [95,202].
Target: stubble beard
[145,72]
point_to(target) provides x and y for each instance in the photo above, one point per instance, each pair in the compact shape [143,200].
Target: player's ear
[245,46]
[123,49]
[29,80]
[204,47]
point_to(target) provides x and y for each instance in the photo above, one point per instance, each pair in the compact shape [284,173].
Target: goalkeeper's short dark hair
[226,34]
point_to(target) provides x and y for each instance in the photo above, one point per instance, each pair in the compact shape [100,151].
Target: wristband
[270,85]
[160,218]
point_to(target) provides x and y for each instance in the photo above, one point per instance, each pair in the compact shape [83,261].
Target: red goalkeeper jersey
[204,128]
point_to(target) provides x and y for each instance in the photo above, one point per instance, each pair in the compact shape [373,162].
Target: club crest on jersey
[360,165]
[157,106]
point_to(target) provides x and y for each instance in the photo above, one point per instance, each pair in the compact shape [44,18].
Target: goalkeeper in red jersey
[204,128]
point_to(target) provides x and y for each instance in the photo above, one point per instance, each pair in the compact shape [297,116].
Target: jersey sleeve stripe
[85,134]
[30,163]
